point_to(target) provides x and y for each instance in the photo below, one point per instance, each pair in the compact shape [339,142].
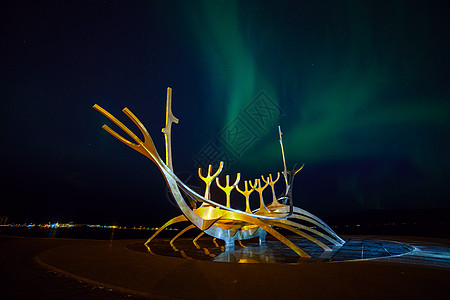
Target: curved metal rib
[217,220]
[180,218]
[196,239]
[295,229]
[178,235]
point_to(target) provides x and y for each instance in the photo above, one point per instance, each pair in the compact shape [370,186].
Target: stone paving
[88,269]
[22,278]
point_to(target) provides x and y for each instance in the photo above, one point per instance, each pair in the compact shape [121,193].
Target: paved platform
[90,269]
[274,251]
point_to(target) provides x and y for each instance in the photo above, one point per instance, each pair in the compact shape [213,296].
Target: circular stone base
[274,251]
[112,265]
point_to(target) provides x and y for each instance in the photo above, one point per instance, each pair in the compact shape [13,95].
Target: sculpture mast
[170,118]
[284,159]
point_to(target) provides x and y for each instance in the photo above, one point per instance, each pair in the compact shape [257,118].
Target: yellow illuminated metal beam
[170,118]
[222,221]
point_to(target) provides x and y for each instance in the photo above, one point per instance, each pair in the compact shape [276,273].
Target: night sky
[360,88]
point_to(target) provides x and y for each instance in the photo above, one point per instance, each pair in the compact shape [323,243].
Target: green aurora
[340,75]
[358,82]
[362,87]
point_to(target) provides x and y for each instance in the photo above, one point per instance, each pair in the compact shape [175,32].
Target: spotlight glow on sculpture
[222,221]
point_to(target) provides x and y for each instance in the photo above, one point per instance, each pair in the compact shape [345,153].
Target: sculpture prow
[215,219]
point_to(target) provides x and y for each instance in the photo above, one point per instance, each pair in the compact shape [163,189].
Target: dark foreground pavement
[89,269]
[21,277]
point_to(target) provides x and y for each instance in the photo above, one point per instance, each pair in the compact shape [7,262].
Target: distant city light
[72,225]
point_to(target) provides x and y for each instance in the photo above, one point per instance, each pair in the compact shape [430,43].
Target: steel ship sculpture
[222,221]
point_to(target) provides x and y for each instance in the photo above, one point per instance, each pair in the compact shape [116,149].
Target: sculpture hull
[222,221]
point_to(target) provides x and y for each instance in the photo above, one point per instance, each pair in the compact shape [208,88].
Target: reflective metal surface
[222,221]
